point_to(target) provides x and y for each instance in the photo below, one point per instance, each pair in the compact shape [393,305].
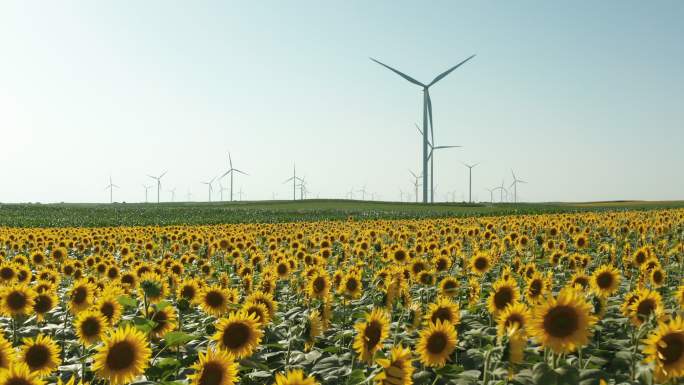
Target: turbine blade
[288,179]
[153,177]
[412,80]
[164,173]
[230,160]
[429,106]
[512,173]
[447,72]
[241,172]
[419,130]
[442,147]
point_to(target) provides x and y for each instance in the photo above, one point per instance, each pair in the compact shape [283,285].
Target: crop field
[383,294]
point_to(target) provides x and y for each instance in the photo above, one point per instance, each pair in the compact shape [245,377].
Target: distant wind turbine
[231,171]
[363,192]
[147,188]
[111,186]
[294,180]
[470,180]
[416,183]
[515,186]
[431,157]
[491,194]
[173,194]
[158,179]
[427,113]
[209,185]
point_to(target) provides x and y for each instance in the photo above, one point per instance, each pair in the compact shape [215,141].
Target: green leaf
[177,338]
[127,301]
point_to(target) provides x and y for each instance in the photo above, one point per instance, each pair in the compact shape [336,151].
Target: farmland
[337,292]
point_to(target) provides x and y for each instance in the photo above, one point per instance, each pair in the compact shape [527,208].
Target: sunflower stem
[485,368]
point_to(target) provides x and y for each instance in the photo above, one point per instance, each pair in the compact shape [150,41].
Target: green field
[51,215]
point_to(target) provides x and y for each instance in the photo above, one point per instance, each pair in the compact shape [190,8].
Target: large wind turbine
[431,157]
[231,171]
[211,188]
[416,183]
[470,180]
[515,186]
[294,180]
[427,113]
[111,187]
[158,179]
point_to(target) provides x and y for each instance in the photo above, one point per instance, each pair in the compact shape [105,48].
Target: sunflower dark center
[645,308]
[188,292]
[18,381]
[441,264]
[442,314]
[513,319]
[120,356]
[582,281]
[6,273]
[535,287]
[107,309]
[372,333]
[450,285]
[160,318]
[561,321]
[43,304]
[37,356]
[657,276]
[282,269]
[214,299]
[90,327]
[352,284]
[481,263]
[436,343]
[319,284]
[604,280]
[399,255]
[16,300]
[671,348]
[236,335]
[212,374]
[503,297]
[80,295]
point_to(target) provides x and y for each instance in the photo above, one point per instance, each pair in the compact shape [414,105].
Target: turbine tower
[470,180]
[427,113]
[111,187]
[416,183]
[147,188]
[231,171]
[173,194]
[431,157]
[491,194]
[158,179]
[515,186]
[211,188]
[294,180]
[363,192]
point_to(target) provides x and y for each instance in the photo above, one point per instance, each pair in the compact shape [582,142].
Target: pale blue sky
[583,99]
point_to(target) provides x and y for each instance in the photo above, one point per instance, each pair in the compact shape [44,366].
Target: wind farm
[223,193]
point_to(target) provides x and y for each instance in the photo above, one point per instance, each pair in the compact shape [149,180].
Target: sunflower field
[574,298]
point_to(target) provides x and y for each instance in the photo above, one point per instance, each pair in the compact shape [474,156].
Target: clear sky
[584,100]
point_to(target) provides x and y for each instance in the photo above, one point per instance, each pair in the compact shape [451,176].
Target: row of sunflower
[586,297]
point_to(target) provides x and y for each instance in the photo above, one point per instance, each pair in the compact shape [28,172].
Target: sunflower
[436,342]
[110,307]
[40,354]
[189,290]
[480,263]
[238,334]
[17,300]
[215,367]
[153,287]
[564,323]
[504,293]
[474,290]
[319,286]
[312,329]
[123,356]
[258,309]
[536,288]
[164,319]
[351,286]
[6,352]
[449,287]
[266,299]
[664,347]
[214,300]
[648,302]
[444,309]
[81,296]
[90,325]
[397,369]
[294,377]
[370,334]
[657,276]
[514,314]
[515,347]
[19,374]
[581,280]
[43,303]
[605,280]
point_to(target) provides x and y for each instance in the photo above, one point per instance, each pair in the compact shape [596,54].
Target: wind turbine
[363,192]
[470,180]
[294,180]
[231,171]
[111,187]
[221,189]
[158,179]
[431,157]
[502,189]
[515,186]
[240,193]
[427,112]
[302,188]
[350,194]
[491,194]
[147,188]
[173,194]
[416,183]
[189,195]
[211,188]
